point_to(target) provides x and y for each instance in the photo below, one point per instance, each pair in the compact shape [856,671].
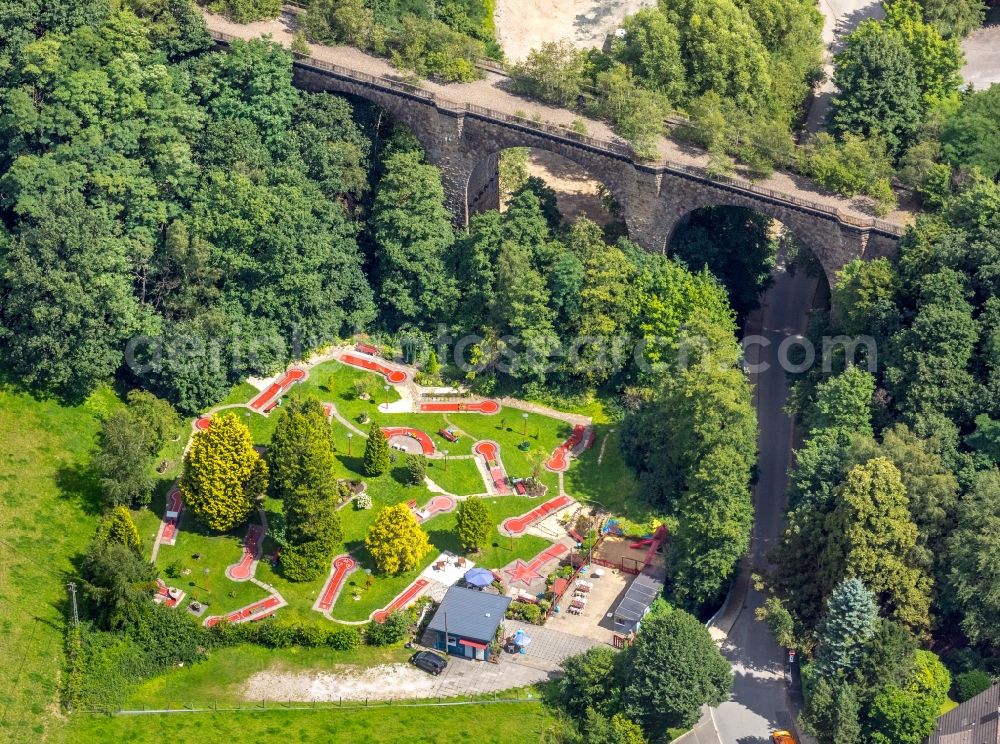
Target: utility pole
[72,591]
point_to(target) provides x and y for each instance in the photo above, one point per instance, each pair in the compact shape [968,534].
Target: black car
[429,662]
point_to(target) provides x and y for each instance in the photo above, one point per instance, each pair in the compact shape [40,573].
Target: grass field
[501,723]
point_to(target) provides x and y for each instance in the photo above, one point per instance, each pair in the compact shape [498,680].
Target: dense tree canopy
[224,476]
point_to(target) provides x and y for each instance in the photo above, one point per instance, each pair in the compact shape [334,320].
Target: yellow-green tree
[117,526]
[395,541]
[224,476]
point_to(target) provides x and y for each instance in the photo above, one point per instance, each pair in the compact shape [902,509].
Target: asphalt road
[760,701]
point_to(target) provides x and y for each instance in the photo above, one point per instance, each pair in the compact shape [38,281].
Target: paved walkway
[492,92]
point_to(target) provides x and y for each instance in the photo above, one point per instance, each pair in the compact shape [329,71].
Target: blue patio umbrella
[521,638]
[479,577]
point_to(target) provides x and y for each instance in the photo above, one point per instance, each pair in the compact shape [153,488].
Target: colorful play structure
[401,600]
[342,567]
[517,525]
[255,611]
[245,567]
[490,452]
[582,438]
[528,572]
[488,407]
[393,376]
[422,437]
[269,398]
[651,543]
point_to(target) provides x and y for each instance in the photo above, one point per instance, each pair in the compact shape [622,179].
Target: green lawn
[543,435]
[501,723]
[207,581]
[610,483]
[49,506]
[460,477]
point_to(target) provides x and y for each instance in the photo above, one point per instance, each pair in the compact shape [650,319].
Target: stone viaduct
[465,142]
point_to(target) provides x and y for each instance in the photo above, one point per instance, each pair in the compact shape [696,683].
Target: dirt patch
[342,683]
[523,25]
[577,193]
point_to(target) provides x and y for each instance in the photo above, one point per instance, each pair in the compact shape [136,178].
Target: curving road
[760,701]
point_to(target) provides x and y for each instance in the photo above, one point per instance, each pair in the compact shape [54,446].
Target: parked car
[429,662]
[782,737]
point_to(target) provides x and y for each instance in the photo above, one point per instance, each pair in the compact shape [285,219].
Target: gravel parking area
[398,681]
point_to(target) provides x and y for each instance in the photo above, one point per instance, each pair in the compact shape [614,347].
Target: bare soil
[523,25]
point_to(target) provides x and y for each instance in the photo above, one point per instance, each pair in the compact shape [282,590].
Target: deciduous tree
[395,541]
[670,671]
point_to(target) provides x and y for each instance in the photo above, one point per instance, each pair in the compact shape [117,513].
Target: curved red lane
[426,443]
[203,423]
[559,461]
[243,569]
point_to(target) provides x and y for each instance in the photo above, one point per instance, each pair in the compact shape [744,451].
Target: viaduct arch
[464,141]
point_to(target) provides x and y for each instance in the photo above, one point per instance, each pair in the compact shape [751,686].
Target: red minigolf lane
[559,461]
[268,398]
[243,569]
[255,611]
[343,565]
[203,423]
[394,376]
[517,525]
[402,599]
[426,443]
[490,452]
[175,503]
[436,505]
[488,407]
[528,572]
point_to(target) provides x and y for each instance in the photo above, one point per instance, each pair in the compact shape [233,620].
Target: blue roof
[470,614]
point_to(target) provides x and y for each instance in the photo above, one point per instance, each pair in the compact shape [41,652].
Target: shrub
[416,469]
[529,613]
[305,562]
[343,639]
[971,683]
[857,165]
[395,627]
[363,501]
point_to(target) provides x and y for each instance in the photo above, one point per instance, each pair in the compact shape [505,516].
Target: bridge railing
[618,148]
[556,129]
